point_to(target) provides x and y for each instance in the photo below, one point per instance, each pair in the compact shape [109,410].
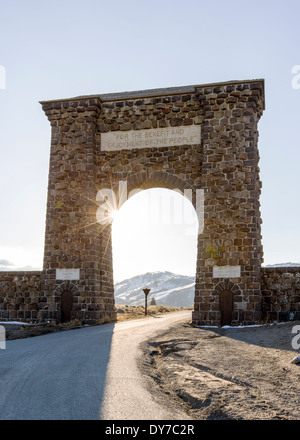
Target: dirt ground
[234,373]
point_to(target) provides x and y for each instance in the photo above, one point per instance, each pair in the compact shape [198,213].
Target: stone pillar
[230,178]
[73,238]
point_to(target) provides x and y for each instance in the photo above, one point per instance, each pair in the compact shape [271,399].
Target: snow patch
[166,287]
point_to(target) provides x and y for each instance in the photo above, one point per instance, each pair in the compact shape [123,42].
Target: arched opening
[154,241]
[66,305]
[228,294]
[226,307]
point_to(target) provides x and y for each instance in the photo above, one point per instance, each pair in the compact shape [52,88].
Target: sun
[114,214]
[109,215]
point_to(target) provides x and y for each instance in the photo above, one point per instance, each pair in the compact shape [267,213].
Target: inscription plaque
[67,274]
[156,137]
[226,271]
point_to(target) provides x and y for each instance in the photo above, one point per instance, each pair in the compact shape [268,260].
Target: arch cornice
[66,285]
[226,284]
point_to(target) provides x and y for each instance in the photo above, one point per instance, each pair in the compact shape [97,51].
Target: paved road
[84,374]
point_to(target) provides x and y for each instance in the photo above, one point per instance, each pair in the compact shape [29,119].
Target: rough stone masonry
[200,137]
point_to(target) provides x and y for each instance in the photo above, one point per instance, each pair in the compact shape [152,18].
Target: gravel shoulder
[226,373]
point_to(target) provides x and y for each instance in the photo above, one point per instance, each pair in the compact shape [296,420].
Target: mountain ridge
[167,288]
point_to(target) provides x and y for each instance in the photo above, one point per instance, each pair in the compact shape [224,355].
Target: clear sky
[60,49]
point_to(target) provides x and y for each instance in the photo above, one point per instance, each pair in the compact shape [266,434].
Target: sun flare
[114,214]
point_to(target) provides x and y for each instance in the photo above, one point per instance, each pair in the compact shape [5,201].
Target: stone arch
[194,137]
[170,215]
[67,285]
[66,295]
[156,179]
[149,179]
[226,292]
[226,284]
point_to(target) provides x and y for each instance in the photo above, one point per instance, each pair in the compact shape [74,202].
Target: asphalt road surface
[85,374]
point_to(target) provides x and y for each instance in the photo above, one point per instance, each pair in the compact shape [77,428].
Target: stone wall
[20,296]
[280,287]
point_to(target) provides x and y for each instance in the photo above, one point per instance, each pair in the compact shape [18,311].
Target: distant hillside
[283,265]
[166,287]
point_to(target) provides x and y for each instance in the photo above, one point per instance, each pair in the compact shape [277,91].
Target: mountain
[284,265]
[167,288]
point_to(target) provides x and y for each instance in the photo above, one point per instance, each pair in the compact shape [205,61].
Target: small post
[146,292]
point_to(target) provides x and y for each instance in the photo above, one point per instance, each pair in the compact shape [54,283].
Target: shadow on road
[58,376]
